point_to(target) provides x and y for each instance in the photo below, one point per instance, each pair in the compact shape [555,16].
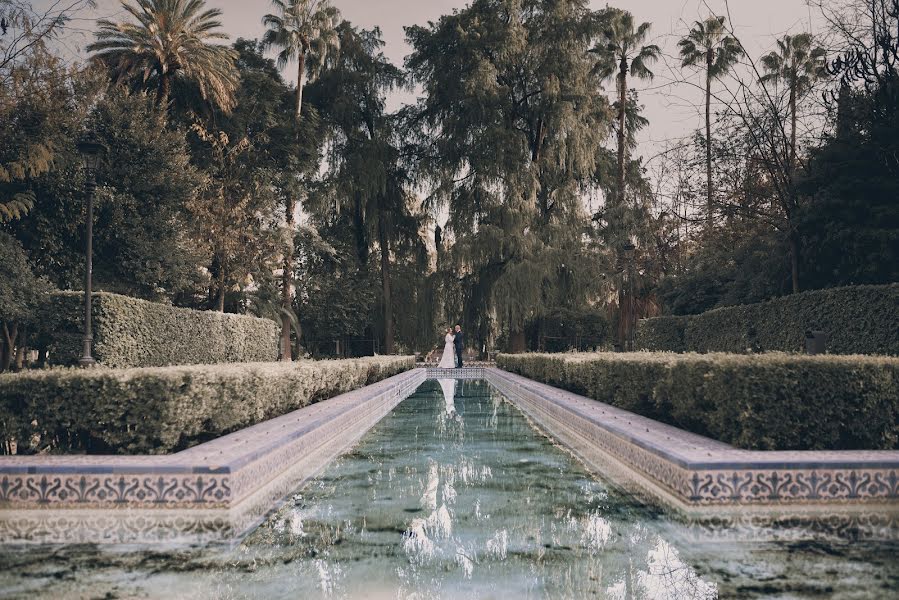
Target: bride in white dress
[448,360]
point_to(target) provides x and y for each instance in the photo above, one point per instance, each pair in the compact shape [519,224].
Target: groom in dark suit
[459,342]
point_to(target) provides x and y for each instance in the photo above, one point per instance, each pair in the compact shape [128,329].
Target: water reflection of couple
[452,349]
[448,387]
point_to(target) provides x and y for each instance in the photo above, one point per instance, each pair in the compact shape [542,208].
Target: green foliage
[797,62]
[367,188]
[510,129]
[135,333]
[21,294]
[741,262]
[142,245]
[662,334]
[33,109]
[856,320]
[336,298]
[763,402]
[709,46]
[142,241]
[253,162]
[301,30]
[20,290]
[162,410]
[850,228]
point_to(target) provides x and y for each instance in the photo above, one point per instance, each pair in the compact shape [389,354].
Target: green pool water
[455,495]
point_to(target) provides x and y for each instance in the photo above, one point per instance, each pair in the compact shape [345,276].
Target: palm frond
[169,38]
[16,207]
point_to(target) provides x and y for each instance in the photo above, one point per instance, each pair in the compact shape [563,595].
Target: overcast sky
[673,109]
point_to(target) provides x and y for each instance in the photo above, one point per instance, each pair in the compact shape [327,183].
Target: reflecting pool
[455,495]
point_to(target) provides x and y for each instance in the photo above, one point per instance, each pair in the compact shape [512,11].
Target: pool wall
[694,472]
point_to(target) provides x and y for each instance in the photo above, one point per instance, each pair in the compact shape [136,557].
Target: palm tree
[619,50]
[797,64]
[170,40]
[302,28]
[708,44]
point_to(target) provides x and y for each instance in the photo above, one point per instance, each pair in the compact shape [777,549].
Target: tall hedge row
[761,401]
[165,409]
[856,320]
[135,333]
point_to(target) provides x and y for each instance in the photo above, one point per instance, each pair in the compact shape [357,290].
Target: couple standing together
[452,350]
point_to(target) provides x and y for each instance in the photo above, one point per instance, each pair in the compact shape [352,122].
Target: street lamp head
[92,151]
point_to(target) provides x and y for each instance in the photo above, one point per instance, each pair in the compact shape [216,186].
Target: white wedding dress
[448,360]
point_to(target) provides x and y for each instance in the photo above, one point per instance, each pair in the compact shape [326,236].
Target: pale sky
[673,109]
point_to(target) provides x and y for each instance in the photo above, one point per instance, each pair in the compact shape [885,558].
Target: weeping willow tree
[366,177]
[511,124]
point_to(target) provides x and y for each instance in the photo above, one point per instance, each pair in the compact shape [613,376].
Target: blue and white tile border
[694,472]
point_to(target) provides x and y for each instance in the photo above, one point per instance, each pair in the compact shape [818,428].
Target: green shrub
[135,333]
[662,333]
[759,401]
[856,320]
[165,409]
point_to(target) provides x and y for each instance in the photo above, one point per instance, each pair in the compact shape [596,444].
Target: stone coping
[215,475]
[692,471]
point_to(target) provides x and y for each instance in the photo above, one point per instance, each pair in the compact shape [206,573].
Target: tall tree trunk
[794,234]
[21,349]
[301,76]
[623,317]
[794,258]
[221,295]
[710,209]
[359,225]
[287,279]
[289,208]
[438,243]
[517,341]
[9,340]
[384,242]
[792,128]
[164,90]
[622,103]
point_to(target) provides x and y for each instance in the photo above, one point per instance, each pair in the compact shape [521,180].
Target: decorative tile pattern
[746,526]
[698,472]
[114,527]
[82,490]
[462,373]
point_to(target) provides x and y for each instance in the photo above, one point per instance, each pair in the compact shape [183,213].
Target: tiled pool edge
[216,475]
[707,475]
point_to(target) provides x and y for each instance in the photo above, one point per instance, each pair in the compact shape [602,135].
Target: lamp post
[92,151]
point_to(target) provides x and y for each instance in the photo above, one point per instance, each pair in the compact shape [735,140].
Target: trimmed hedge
[761,401]
[166,409]
[129,332]
[857,320]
